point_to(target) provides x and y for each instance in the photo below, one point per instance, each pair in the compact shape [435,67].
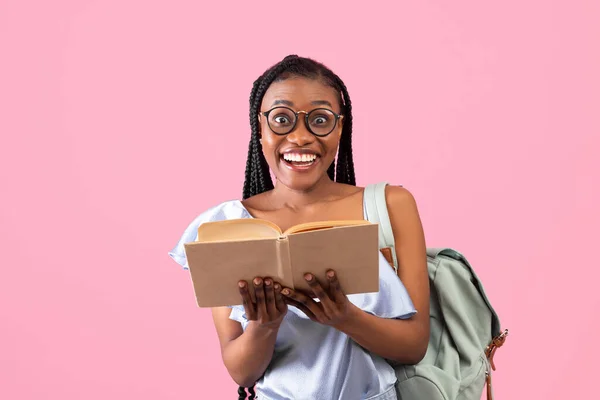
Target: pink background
[122,120]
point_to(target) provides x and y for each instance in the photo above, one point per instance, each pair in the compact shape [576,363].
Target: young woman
[289,345]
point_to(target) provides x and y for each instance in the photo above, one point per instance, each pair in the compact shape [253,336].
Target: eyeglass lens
[320,121]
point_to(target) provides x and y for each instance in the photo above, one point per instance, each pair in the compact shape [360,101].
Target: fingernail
[285,292]
[242,284]
[330,274]
[268,283]
[257,281]
[308,277]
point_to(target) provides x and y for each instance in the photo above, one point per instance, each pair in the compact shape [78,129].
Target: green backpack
[465,330]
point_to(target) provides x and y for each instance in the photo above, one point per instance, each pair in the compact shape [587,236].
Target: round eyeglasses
[320,121]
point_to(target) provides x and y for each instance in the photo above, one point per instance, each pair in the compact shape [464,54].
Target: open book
[226,252]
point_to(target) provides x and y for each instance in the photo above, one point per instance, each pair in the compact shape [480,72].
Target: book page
[237,229]
[313,226]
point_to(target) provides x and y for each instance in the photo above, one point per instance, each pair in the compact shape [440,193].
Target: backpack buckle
[497,342]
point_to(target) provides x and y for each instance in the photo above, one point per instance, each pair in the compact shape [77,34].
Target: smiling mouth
[299,161]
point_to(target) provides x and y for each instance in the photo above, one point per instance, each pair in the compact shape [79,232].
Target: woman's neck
[284,196]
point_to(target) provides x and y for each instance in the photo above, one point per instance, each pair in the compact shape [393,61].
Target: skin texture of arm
[246,354]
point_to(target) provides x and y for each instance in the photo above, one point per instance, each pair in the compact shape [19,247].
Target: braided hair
[242,393]
[258,178]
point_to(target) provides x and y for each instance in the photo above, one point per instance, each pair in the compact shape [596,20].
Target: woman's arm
[246,354]
[406,340]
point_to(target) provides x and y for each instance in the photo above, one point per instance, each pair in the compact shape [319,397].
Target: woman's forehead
[300,92]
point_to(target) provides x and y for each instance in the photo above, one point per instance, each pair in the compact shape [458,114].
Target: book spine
[284,266]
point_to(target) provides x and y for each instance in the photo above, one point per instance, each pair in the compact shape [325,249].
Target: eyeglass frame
[306,123]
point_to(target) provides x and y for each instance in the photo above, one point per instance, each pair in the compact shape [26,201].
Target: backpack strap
[376,211]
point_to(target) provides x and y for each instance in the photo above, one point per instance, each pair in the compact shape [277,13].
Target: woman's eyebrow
[291,104]
[284,102]
[321,103]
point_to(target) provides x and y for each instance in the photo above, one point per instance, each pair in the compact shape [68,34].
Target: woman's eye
[281,120]
[319,120]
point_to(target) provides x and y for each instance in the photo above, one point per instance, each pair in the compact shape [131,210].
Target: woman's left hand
[333,307]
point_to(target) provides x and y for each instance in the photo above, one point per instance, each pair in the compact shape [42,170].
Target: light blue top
[314,361]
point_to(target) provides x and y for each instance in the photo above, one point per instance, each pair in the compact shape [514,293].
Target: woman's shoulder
[403,209]
[256,202]
[396,196]
[399,196]
[231,209]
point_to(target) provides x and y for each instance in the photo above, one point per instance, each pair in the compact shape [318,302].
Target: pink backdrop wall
[122,120]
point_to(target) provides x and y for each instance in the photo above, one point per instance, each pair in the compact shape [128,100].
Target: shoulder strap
[376,211]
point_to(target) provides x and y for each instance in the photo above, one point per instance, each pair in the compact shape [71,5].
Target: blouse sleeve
[392,300]
[239,314]
[190,234]
[226,210]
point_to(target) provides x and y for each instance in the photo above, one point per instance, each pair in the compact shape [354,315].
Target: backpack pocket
[473,384]
[429,383]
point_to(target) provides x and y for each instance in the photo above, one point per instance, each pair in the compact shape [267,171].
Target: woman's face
[299,159]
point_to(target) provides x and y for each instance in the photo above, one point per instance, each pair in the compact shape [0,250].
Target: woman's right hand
[270,308]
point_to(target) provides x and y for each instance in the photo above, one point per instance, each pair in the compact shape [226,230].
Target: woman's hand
[333,307]
[270,308]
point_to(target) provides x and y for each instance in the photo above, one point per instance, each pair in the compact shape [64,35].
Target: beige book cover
[226,252]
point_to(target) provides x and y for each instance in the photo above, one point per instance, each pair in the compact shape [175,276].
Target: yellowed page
[312,226]
[237,229]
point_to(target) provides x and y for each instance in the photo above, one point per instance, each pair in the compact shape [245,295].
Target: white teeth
[294,157]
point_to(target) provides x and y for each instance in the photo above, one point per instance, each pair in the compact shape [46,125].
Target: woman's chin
[300,181]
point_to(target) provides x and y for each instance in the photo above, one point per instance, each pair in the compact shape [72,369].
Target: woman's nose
[301,136]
